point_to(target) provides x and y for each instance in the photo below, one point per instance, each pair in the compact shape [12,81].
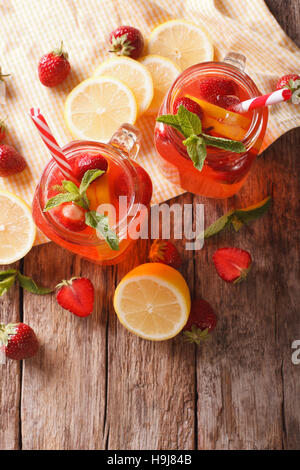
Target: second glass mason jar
[224,172]
[122,178]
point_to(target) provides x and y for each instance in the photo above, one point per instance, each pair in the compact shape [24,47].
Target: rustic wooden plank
[246,383]
[10,375]
[151,385]
[64,386]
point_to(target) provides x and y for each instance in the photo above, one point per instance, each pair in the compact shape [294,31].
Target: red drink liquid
[224,172]
[120,179]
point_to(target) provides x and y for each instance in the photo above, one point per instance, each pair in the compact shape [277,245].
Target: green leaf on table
[88,177]
[7,279]
[60,199]
[218,225]
[100,223]
[189,122]
[29,284]
[225,144]
[253,212]
[238,218]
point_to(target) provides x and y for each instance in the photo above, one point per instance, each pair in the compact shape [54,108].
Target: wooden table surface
[93,385]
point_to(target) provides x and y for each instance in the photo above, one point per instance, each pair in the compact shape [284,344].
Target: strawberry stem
[60,51]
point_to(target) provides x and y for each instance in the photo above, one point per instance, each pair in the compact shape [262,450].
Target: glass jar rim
[230,71]
[70,150]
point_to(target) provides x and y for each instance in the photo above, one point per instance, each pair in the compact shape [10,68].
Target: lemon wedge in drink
[134,74]
[183,42]
[164,72]
[153,301]
[97,107]
[17,228]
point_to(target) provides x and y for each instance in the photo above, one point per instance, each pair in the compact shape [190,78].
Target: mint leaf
[243,216]
[29,284]
[225,144]
[189,122]
[170,120]
[218,225]
[60,199]
[88,177]
[100,223]
[7,279]
[70,187]
[238,218]
[196,150]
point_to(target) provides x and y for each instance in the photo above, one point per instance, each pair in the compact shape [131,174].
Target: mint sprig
[72,193]
[100,223]
[238,218]
[8,278]
[294,86]
[190,126]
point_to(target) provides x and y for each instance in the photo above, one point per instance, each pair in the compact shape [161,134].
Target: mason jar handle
[236,59]
[127,139]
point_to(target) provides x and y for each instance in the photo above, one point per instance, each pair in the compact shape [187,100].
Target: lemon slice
[17,229]
[134,74]
[181,41]
[97,107]
[153,301]
[163,71]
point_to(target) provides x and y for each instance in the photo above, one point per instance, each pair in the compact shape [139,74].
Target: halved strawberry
[71,216]
[163,251]
[212,87]
[201,322]
[232,264]
[190,105]
[87,161]
[76,295]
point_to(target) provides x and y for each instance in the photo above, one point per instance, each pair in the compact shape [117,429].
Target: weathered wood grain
[64,386]
[10,372]
[151,385]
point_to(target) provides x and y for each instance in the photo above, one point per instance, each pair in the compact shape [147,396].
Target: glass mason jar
[224,172]
[121,173]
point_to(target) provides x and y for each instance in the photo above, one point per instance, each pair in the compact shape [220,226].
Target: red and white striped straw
[261,101]
[51,143]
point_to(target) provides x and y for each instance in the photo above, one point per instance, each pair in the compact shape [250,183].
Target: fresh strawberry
[284,82]
[190,105]
[54,67]
[128,41]
[71,216]
[121,186]
[11,162]
[201,322]
[19,340]
[232,264]
[76,295]
[162,251]
[88,161]
[211,88]
[2,129]
[227,101]
[145,183]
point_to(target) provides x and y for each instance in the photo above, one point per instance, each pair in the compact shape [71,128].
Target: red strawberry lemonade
[65,225]
[211,90]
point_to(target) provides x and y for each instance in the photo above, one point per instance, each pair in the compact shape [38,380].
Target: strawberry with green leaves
[201,322]
[18,341]
[163,251]
[77,296]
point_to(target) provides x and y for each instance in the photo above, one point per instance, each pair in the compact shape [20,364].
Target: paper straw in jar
[51,143]
[261,101]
